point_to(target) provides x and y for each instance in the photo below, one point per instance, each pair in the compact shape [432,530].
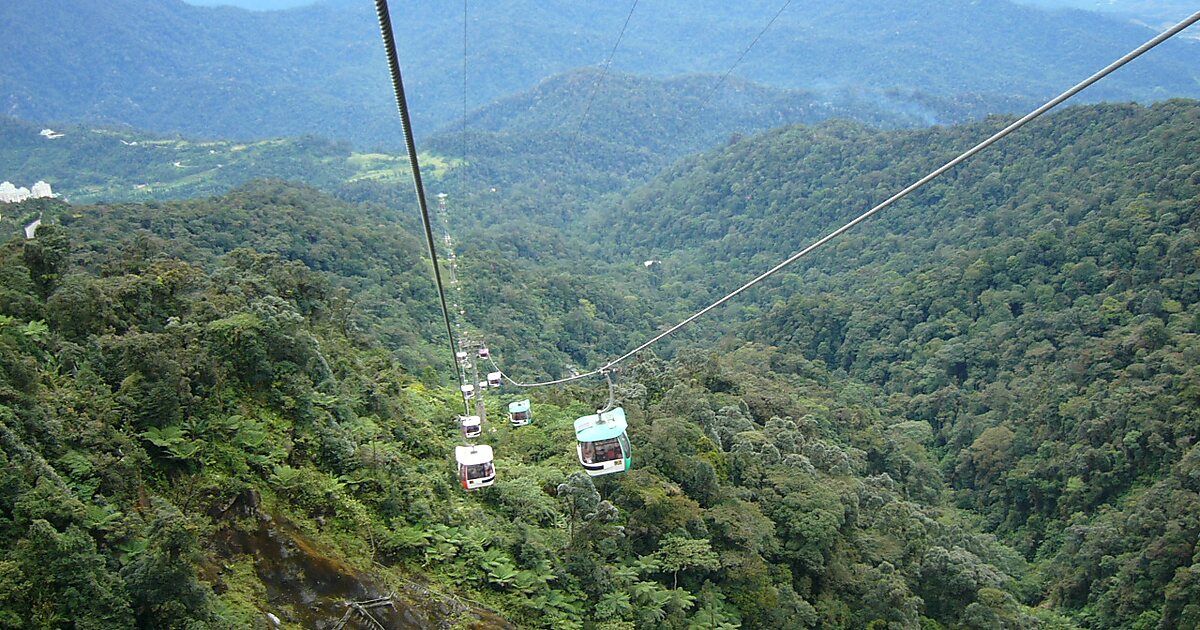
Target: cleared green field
[88,165]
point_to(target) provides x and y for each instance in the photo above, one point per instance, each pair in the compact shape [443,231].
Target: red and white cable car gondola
[475,467]
[472,427]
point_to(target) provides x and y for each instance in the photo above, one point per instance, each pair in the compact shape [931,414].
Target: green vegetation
[978,411]
[95,164]
[147,395]
[1038,309]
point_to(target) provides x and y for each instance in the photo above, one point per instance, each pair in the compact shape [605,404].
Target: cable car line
[462,179]
[389,43]
[999,135]
[603,73]
[725,76]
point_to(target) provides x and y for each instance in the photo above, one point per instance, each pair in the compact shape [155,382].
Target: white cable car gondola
[603,445]
[493,379]
[519,414]
[468,391]
[460,355]
[471,426]
[483,352]
[483,385]
[475,467]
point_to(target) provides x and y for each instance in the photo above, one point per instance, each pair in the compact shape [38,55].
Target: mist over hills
[1155,13]
[227,72]
[637,127]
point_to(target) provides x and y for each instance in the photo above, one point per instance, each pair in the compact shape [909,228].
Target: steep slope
[193,435]
[1039,307]
[205,467]
[981,412]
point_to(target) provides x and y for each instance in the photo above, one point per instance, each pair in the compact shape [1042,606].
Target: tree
[166,592]
[59,578]
[679,553]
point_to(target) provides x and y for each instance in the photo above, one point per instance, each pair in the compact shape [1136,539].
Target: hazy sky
[258,5]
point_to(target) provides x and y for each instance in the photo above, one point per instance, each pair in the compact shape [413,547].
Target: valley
[227,400]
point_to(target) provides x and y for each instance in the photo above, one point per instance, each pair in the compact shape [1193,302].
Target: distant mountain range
[1151,12]
[637,126]
[168,66]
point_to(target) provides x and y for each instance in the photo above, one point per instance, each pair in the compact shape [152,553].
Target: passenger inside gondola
[602,451]
[479,471]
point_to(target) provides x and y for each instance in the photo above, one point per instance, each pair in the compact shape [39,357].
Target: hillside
[1037,307]
[511,146]
[209,72]
[194,435]
[977,411]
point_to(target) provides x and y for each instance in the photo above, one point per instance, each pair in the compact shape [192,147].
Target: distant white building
[50,134]
[9,193]
[40,190]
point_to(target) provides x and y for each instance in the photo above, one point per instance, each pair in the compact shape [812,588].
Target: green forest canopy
[980,413]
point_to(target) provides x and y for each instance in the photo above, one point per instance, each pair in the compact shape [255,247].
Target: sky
[256,5]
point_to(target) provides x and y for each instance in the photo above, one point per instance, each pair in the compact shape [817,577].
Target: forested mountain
[167,66]
[1038,308]
[636,127]
[193,436]
[978,410]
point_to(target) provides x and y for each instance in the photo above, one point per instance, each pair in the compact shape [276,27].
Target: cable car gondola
[460,355]
[468,391]
[603,445]
[493,379]
[519,414]
[475,467]
[483,352]
[471,426]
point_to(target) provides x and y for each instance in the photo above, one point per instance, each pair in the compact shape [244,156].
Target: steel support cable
[999,135]
[462,180]
[389,44]
[516,383]
[603,73]
[725,76]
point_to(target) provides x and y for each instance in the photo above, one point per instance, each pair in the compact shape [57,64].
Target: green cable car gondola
[519,414]
[603,445]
